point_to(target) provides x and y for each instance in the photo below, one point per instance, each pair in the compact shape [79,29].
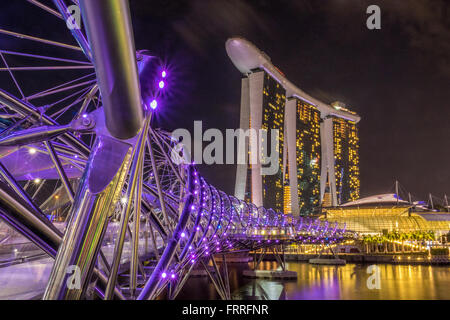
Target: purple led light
[163,275]
[183,235]
[172,276]
[154,104]
[164,74]
[161,84]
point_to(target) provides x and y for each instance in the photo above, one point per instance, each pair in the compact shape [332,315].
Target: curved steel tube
[152,284]
[33,225]
[110,34]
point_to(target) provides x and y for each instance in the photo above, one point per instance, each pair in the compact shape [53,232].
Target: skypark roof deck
[246,57]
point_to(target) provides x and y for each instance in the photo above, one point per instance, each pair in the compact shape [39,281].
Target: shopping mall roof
[368,216]
[377,200]
[434,216]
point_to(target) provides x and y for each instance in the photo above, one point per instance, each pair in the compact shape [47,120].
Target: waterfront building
[346,155]
[304,155]
[262,107]
[385,213]
[318,144]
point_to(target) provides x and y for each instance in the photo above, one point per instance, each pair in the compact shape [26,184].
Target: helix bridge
[85,147]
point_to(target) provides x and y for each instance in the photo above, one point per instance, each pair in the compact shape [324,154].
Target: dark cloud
[427,25]
[424,23]
[208,21]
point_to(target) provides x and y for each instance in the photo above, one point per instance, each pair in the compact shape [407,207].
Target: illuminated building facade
[274,99]
[387,213]
[304,155]
[319,147]
[262,107]
[340,157]
[287,198]
[346,165]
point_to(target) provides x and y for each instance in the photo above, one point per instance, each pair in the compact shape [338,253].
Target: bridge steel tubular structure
[111,41]
[32,224]
[110,34]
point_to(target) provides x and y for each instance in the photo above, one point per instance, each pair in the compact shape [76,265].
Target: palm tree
[366,241]
[378,240]
[402,239]
[396,237]
[391,237]
[409,237]
[370,240]
[418,239]
[385,243]
[375,244]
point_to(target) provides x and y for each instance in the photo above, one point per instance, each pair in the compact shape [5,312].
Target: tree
[402,239]
[385,242]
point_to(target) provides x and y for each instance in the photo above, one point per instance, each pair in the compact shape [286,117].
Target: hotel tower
[318,143]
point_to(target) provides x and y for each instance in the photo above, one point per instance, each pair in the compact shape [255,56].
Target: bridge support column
[328,261]
[96,197]
[220,278]
[278,253]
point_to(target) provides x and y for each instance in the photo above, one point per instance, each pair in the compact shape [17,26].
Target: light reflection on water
[398,282]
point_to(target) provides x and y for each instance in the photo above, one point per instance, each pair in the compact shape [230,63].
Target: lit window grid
[346,155]
[308,150]
[274,97]
[287,200]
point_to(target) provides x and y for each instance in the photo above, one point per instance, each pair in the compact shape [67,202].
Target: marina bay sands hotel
[318,144]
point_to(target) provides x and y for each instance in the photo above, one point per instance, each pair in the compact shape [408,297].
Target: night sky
[397,78]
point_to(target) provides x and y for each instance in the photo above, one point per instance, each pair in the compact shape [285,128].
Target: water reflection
[398,282]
